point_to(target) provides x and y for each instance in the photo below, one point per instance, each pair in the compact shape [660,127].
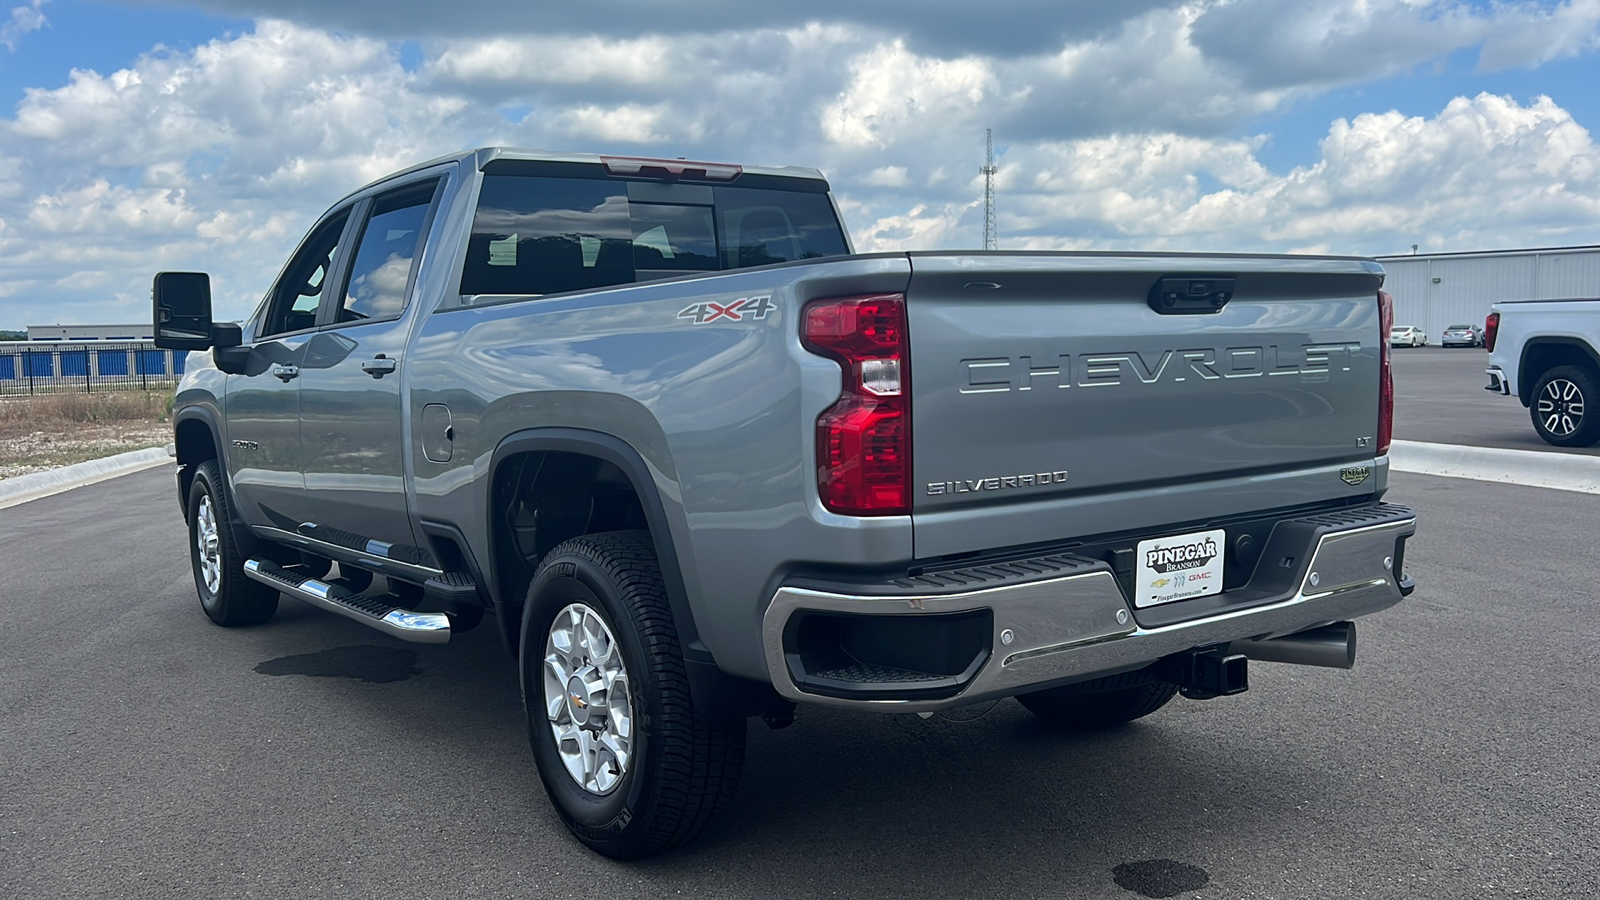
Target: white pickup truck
[1543,353]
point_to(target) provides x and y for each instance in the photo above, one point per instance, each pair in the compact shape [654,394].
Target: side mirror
[181,304]
[226,351]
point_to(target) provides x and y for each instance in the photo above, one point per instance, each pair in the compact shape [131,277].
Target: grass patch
[52,411]
[46,432]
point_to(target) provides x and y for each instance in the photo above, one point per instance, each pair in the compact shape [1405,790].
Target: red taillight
[1491,327]
[1385,373]
[864,440]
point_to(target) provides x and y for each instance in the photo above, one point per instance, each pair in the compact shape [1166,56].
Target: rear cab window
[538,233]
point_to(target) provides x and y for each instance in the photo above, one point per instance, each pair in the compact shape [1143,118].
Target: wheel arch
[195,439]
[609,450]
[1543,353]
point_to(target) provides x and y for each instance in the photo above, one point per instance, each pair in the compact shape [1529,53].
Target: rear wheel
[1101,703]
[1559,407]
[227,596]
[630,768]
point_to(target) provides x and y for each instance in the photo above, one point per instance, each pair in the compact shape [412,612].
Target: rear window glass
[539,235]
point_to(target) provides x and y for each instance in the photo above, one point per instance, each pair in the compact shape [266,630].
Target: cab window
[294,301]
[390,239]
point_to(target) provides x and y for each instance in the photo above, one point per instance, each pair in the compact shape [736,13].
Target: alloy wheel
[207,542]
[586,699]
[1561,407]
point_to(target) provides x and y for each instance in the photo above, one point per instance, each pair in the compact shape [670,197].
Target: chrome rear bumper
[1063,629]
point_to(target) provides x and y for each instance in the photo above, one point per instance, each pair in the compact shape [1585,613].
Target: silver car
[1462,336]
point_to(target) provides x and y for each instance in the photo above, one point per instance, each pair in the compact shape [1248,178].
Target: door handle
[286,372]
[379,366]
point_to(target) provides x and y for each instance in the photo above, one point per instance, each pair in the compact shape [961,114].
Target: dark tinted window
[299,291]
[382,267]
[548,235]
[539,235]
[673,239]
[763,227]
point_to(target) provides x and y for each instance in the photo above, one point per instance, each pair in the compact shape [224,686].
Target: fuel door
[437,433]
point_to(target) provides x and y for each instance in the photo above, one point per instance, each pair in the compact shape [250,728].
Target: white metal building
[91,332]
[1435,290]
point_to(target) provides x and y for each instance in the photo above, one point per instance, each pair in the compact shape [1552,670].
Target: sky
[142,135]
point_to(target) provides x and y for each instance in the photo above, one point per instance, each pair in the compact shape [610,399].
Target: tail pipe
[1331,646]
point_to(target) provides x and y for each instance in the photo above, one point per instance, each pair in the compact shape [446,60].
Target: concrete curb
[1561,471]
[23,488]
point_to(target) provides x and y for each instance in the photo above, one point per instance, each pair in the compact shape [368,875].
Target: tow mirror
[182,310]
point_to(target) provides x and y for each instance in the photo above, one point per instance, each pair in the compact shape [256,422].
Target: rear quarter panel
[723,413]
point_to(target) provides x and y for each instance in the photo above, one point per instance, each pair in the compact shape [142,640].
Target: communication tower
[988,171]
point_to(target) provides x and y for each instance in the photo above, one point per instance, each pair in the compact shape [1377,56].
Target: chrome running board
[419,628]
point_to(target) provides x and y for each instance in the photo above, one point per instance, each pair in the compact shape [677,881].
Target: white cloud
[23,20]
[1538,35]
[1124,136]
[1484,172]
[888,177]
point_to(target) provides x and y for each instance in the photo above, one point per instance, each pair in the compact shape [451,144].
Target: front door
[351,418]
[263,402]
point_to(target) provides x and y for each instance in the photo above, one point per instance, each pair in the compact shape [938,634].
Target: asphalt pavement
[1439,397]
[147,753]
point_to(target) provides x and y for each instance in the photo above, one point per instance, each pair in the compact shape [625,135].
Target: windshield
[534,234]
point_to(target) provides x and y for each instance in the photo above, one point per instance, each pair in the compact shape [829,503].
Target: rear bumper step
[416,627]
[1010,628]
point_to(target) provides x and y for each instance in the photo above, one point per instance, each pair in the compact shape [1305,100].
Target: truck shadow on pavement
[854,804]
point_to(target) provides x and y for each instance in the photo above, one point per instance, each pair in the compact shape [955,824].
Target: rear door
[350,396]
[1055,395]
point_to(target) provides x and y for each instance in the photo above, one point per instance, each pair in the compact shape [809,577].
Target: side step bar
[419,628]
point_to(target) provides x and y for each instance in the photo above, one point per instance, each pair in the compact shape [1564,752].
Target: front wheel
[629,766]
[227,596]
[1559,407]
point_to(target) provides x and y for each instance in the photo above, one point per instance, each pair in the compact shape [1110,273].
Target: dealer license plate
[1179,567]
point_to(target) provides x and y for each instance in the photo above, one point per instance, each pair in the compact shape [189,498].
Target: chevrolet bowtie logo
[578,702]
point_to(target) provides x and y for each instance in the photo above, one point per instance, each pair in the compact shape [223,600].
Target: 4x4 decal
[743,308]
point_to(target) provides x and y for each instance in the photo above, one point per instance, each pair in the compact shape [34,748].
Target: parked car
[1544,353]
[652,421]
[1462,336]
[1407,336]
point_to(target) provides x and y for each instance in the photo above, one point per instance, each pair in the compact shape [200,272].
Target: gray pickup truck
[697,462]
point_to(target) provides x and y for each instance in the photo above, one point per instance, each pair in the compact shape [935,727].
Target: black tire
[236,600]
[1101,703]
[1559,406]
[682,768]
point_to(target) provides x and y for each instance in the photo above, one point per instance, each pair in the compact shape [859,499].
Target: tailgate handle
[1189,295]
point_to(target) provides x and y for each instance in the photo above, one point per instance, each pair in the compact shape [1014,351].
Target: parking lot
[1439,397]
[147,753]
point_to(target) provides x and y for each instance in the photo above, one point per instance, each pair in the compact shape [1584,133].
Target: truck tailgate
[1053,399]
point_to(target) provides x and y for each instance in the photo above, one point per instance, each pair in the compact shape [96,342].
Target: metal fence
[39,367]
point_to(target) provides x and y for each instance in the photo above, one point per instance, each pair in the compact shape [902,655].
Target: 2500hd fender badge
[1001,483]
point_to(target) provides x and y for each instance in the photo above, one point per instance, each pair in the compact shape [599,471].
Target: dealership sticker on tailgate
[1179,567]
